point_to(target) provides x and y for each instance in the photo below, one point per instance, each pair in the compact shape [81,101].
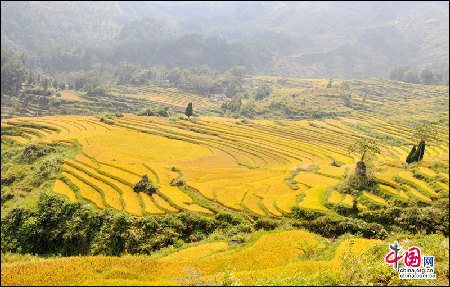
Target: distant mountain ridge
[308,39]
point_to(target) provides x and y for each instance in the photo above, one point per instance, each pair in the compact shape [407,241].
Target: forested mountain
[291,39]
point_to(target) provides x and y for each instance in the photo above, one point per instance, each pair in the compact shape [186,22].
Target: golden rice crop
[442,185]
[123,175]
[112,196]
[197,208]
[230,196]
[210,165]
[176,196]
[426,171]
[268,202]
[348,200]
[64,189]
[145,147]
[182,200]
[262,258]
[313,198]
[86,191]
[84,159]
[335,197]
[357,248]
[388,189]
[264,253]
[72,97]
[374,197]
[33,137]
[312,179]
[286,201]
[388,175]
[416,194]
[130,198]
[197,251]
[409,177]
[332,170]
[149,205]
[306,268]
[251,202]
[444,175]
[164,204]
[20,139]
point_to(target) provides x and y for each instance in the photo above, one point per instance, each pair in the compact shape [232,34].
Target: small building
[217,97]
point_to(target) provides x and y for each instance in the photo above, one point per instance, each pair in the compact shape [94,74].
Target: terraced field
[260,167]
[175,98]
[251,261]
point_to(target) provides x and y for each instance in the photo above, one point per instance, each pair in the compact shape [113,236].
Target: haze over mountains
[290,39]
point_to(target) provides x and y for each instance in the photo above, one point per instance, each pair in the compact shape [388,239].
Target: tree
[423,132]
[93,83]
[427,76]
[263,92]
[248,108]
[345,86]
[55,83]
[13,72]
[45,83]
[410,158]
[347,98]
[411,77]
[365,147]
[232,80]
[236,103]
[397,73]
[330,84]
[189,110]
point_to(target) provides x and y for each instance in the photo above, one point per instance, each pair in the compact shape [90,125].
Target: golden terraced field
[209,260]
[227,164]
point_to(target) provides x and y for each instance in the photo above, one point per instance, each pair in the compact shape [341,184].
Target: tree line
[426,76]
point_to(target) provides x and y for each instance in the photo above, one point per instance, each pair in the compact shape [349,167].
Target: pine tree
[421,150]
[409,158]
[189,110]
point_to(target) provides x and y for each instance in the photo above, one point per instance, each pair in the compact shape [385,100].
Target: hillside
[177,143]
[303,39]
[70,186]
[307,258]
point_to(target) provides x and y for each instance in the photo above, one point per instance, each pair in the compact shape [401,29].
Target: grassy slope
[256,262]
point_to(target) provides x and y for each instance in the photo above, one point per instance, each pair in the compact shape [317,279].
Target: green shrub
[266,224]
[147,187]
[337,225]
[344,210]
[11,131]
[304,214]
[33,151]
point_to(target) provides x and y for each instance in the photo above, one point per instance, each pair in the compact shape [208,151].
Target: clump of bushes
[429,219]
[332,225]
[304,214]
[11,131]
[33,151]
[60,226]
[109,118]
[156,111]
[146,186]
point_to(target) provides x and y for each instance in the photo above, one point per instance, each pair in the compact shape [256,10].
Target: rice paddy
[223,163]
[259,258]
